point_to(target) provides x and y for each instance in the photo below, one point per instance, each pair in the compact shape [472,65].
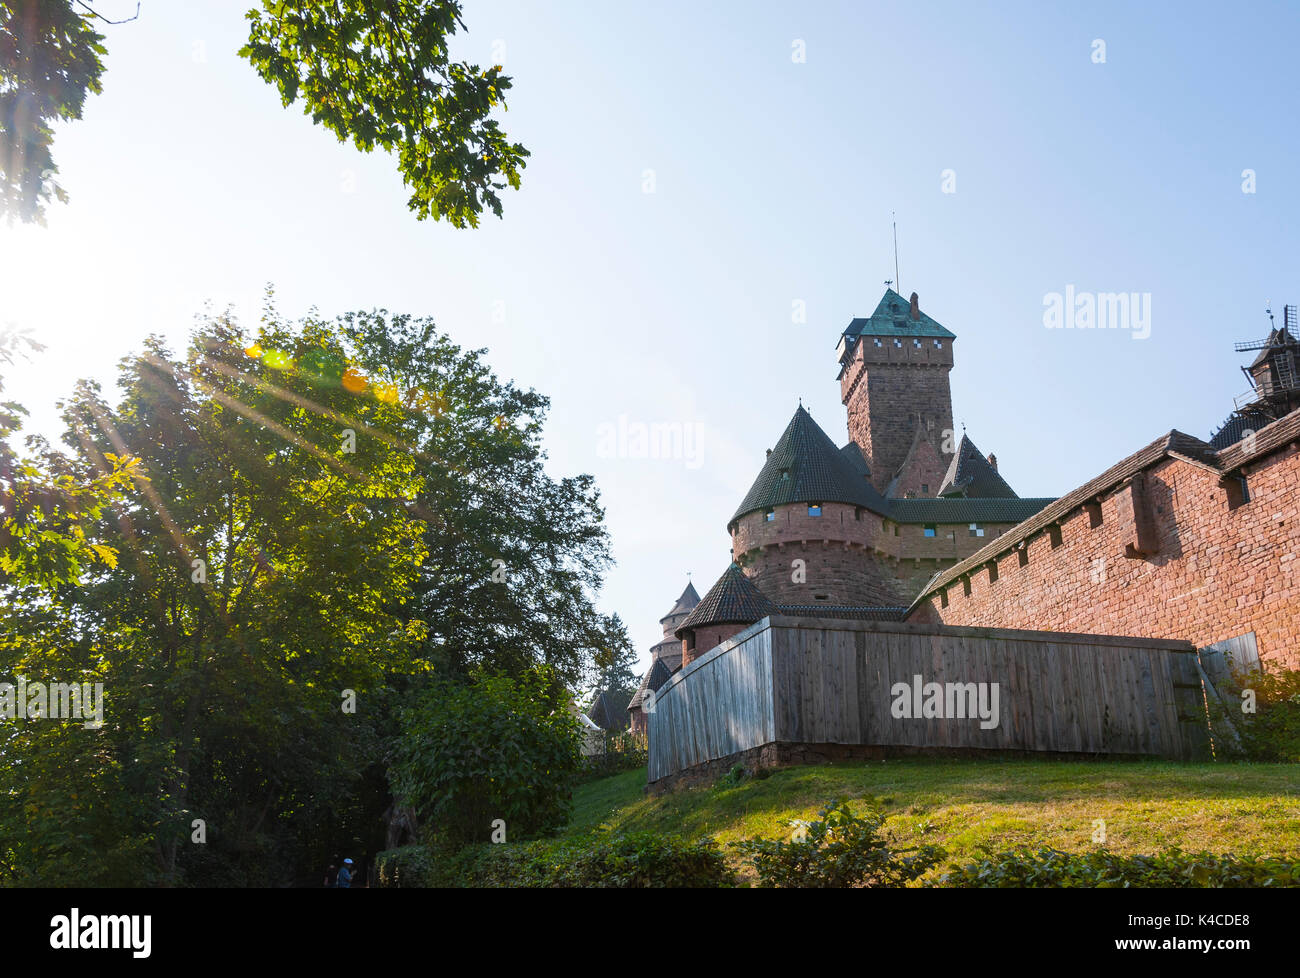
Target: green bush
[1272,732]
[1101,868]
[406,867]
[621,861]
[837,849]
[495,748]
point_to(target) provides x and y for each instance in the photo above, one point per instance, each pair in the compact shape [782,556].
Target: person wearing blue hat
[345,875]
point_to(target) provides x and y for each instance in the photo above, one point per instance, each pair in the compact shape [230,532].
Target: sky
[707,204]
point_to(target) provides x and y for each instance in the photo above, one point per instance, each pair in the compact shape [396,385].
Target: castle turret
[894,368]
[665,657]
[732,605]
[806,529]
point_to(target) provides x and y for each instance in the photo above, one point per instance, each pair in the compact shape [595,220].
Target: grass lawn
[965,804]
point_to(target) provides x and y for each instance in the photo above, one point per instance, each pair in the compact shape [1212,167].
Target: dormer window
[814,509]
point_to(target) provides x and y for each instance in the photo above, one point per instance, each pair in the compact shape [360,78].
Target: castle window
[931,531]
[976,530]
[943,598]
[993,571]
[857,513]
[769,516]
[821,597]
[965,586]
[1024,555]
[1054,534]
[814,509]
[898,343]
[916,343]
[1238,491]
[925,487]
[876,339]
[938,345]
[895,529]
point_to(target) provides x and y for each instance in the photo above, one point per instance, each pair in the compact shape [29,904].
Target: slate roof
[853,455]
[1235,427]
[958,509]
[1175,444]
[609,710]
[1267,440]
[806,467]
[654,678]
[970,474]
[689,599]
[893,318]
[670,650]
[733,599]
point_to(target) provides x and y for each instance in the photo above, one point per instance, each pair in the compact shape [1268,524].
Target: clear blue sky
[774,182]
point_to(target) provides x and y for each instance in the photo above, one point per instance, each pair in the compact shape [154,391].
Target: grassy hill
[965,804]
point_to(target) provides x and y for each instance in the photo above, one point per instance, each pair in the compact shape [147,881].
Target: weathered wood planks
[819,681]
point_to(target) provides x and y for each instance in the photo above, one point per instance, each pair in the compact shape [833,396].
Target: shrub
[1049,867]
[622,861]
[407,866]
[1272,732]
[495,748]
[837,849]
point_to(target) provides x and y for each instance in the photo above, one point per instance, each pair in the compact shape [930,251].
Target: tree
[375,72]
[306,528]
[515,557]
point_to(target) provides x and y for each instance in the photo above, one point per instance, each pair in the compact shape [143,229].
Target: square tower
[894,382]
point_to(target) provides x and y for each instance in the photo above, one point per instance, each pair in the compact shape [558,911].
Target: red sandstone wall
[885,388]
[877,567]
[1213,573]
[708,638]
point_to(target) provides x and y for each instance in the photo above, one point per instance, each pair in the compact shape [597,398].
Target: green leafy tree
[515,558]
[375,72]
[495,748]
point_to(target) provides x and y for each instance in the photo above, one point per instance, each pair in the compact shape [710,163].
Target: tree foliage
[301,506]
[49,62]
[378,73]
[496,753]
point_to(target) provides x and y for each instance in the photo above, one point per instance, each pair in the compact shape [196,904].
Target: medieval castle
[1185,539]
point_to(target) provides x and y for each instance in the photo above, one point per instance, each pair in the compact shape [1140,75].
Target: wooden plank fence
[822,681]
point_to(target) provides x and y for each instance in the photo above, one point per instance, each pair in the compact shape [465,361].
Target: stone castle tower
[894,368]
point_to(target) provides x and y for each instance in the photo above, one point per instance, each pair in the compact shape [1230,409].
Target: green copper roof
[806,467]
[892,318]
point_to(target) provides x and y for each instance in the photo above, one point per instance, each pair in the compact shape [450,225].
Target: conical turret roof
[970,474]
[689,599]
[733,599]
[806,467]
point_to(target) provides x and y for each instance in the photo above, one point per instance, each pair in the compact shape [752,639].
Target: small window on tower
[976,530]
[931,531]
[898,343]
[769,516]
[916,343]
[938,345]
[814,509]
[877,341]
[925,487]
